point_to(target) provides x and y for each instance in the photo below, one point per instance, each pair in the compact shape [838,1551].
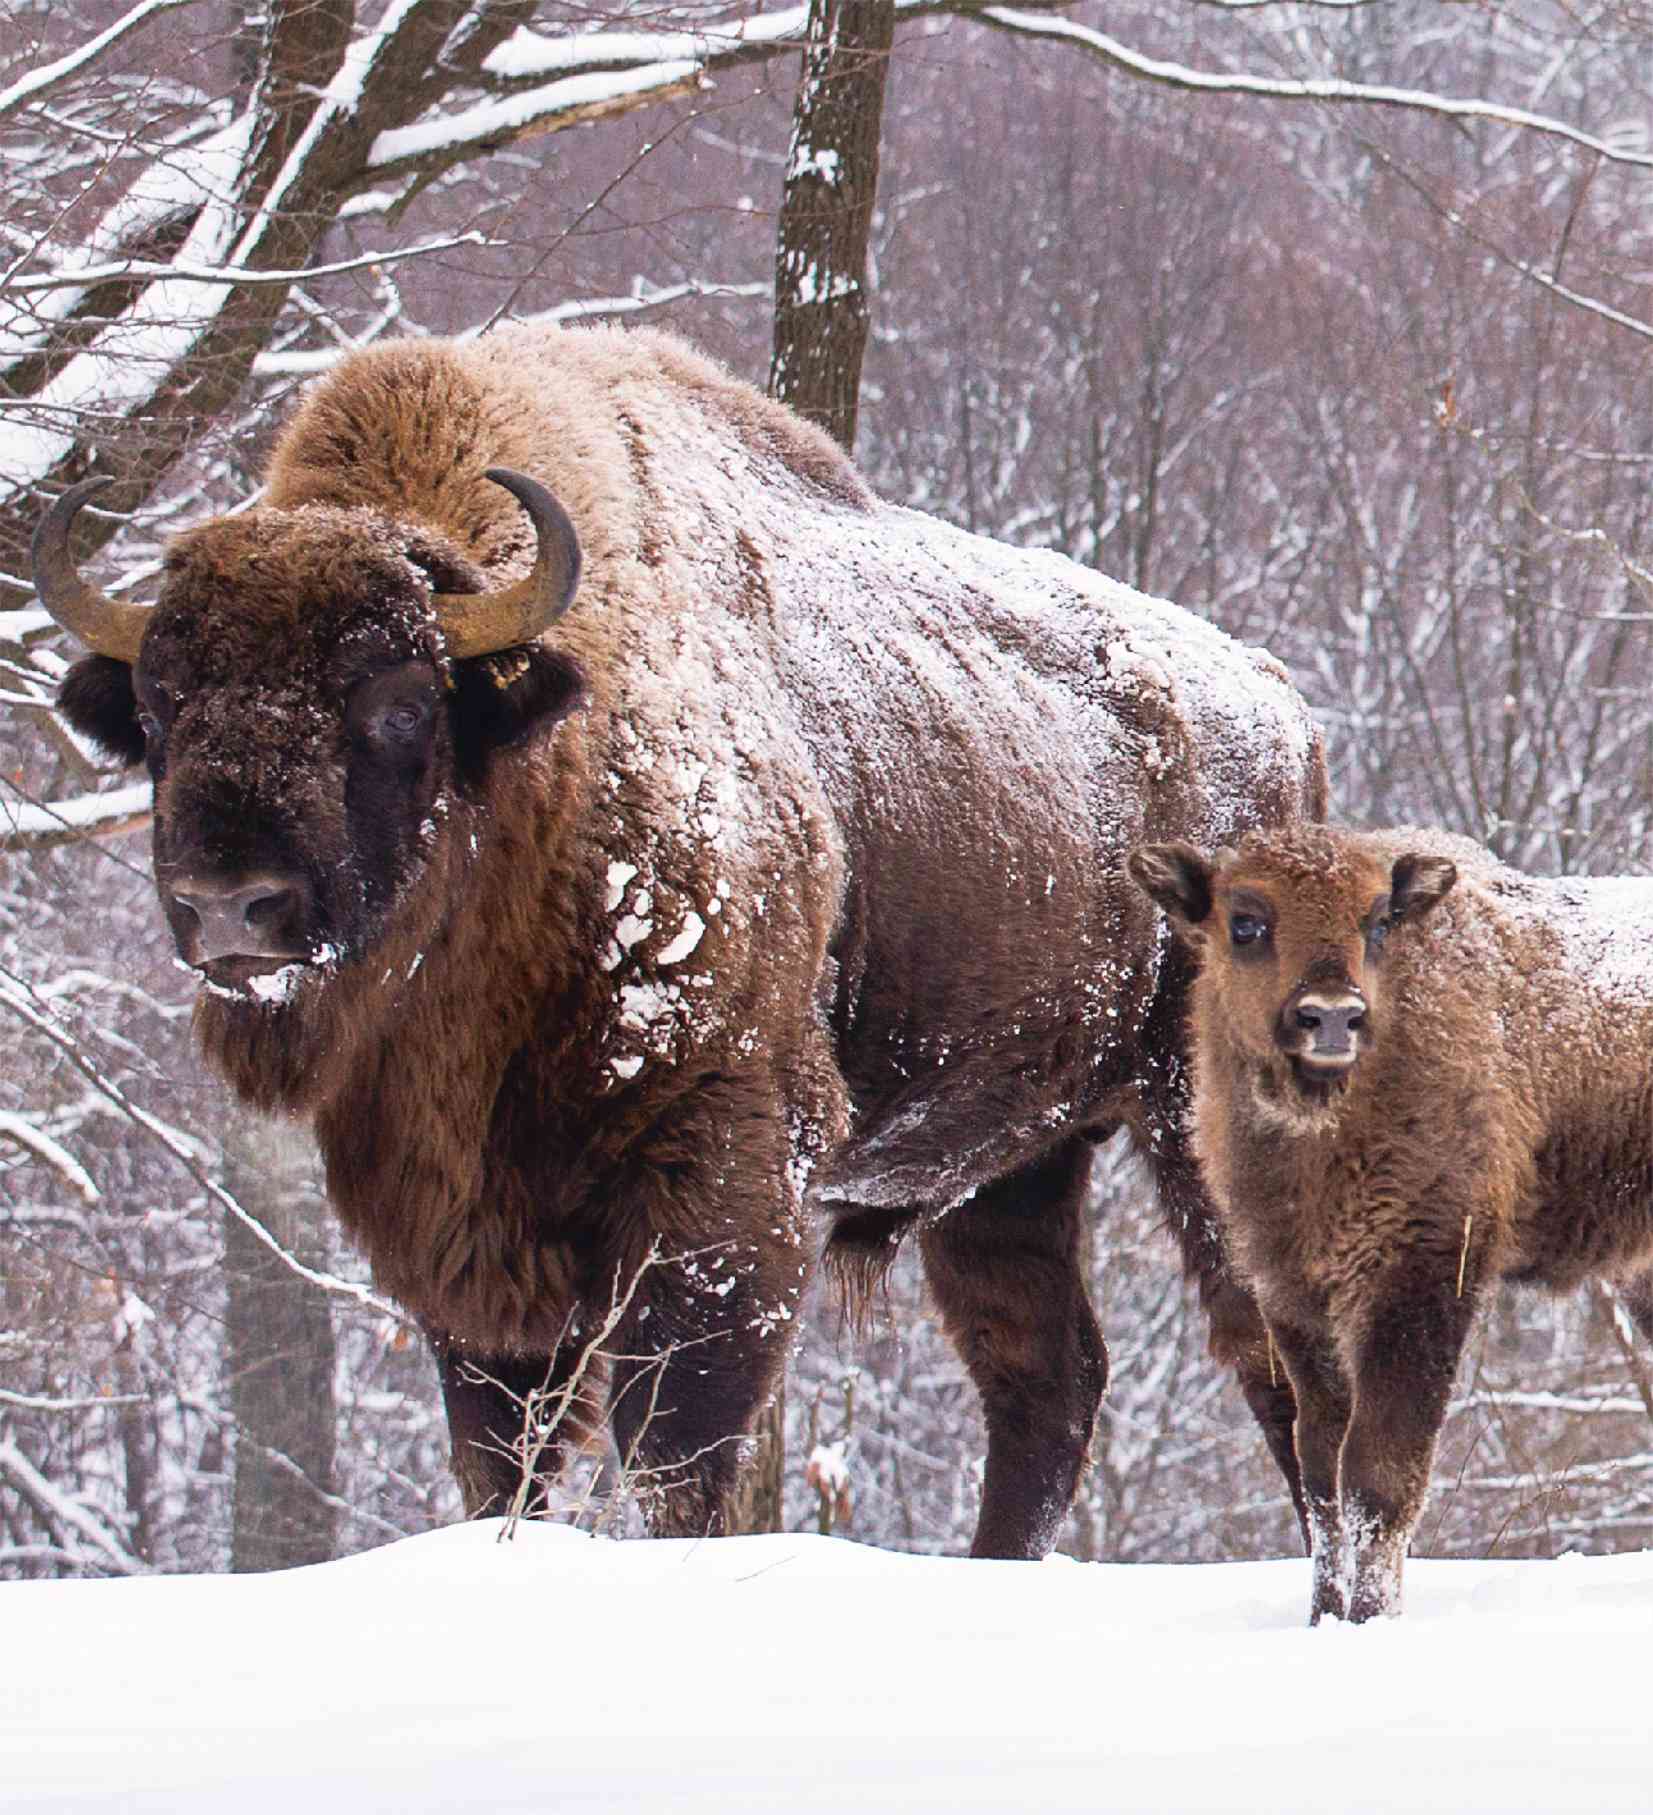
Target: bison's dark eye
[1248,929]
[403,721]
[150,726]
[390,714]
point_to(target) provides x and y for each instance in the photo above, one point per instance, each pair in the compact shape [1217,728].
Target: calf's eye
[1247,929]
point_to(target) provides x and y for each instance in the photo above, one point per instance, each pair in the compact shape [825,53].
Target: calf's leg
[1323,1408]
[1404,1365]
[1238,1338]
[1004,1268]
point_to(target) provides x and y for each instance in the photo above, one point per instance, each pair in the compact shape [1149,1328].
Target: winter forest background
[1327,321]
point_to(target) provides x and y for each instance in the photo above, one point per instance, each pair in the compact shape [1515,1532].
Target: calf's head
[310,691]
[1290,931]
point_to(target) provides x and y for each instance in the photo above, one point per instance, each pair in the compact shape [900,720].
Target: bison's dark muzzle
[264,917]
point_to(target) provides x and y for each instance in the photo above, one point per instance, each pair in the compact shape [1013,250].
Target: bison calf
[1416,1073]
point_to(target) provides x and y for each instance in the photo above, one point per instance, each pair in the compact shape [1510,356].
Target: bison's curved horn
[478,623]
[106,626]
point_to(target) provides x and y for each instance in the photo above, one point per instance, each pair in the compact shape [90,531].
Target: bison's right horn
[105,625]
[479,623]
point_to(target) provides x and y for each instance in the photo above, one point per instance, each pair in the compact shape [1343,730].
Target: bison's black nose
[253,917]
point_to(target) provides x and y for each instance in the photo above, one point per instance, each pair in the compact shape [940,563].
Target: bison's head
[310,691]
[1291,932]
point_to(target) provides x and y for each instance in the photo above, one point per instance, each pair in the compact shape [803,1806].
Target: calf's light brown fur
[1416,1073]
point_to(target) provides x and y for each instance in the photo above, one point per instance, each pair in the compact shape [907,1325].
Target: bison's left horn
[478,623]
[106,626]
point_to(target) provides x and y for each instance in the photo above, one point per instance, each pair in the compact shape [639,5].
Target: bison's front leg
[511,1421]
[1323,1409]
[1004,1269]
[1404,1368]
[708,1304]
[696,1356]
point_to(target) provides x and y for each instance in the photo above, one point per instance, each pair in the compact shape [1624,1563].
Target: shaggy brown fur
[1417,1073]
[791,859]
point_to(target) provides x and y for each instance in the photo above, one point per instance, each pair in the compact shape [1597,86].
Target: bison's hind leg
[1005,1272]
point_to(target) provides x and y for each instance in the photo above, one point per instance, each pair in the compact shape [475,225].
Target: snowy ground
[560,1672]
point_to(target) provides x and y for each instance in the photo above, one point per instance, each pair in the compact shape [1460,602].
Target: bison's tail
[859,1254]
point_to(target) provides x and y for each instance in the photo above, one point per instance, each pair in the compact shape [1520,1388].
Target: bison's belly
[930,1139]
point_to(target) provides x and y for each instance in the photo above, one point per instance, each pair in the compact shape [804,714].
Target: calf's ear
[504,699]
[1419,883]
[97,700]
[1176,877]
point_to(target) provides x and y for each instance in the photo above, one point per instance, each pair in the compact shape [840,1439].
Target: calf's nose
[257,917]
[1330,1023]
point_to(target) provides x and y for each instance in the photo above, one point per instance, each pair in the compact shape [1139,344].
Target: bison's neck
[399,1053]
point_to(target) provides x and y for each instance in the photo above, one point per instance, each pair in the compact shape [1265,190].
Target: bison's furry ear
[96,698]
[1419,883]
[1177,877]
[500,700]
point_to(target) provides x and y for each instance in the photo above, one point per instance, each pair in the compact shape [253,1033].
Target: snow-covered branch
[65,1517]
[597,75]
[306,363]
[36,826]
[179,272]
[1321,88]
[575,101]
[23,1132]
[42,81]
[38,1402]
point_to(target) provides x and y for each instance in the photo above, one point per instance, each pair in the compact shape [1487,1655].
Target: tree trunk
[821,312]
[280,1350]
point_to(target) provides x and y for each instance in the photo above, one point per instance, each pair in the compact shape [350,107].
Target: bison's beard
[286,1036]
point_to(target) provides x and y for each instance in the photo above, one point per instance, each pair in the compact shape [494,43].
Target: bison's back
[996,729]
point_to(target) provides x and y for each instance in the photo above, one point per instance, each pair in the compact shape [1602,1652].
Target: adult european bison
[1406,1091]
[791,861]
